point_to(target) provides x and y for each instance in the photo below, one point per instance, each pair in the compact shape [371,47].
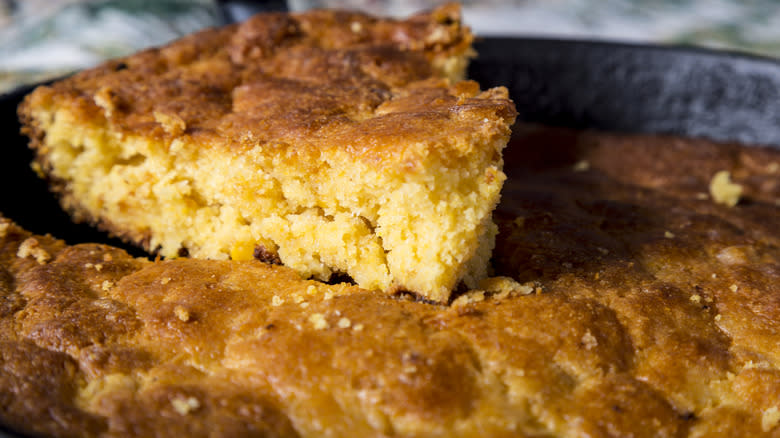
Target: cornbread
[623,304]
[331,142]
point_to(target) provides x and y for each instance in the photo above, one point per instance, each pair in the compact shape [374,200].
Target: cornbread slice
[332,142]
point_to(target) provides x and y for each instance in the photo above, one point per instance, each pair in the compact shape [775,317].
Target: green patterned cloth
[41,39]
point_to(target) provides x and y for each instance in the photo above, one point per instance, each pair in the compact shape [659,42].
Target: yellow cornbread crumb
[723,190]
[181,313]
[277,301]
[106,285]
[31,248]
[318,321]
[469,297]
[185,405]
[505,285]
[344,323]
[589,341]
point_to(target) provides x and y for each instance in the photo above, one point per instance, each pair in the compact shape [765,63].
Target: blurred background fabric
[41,39]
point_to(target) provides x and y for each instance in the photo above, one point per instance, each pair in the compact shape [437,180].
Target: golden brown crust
[653,311]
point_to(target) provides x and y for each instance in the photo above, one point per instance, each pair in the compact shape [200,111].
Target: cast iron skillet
[577,84]
[637,88]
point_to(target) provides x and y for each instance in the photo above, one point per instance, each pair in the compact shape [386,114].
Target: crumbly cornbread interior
[327,141]
[630,302]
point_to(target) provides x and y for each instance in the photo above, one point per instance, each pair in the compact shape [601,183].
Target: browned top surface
[658,314]
[300,82]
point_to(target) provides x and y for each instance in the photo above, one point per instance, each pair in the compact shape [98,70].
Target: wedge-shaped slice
[327,141]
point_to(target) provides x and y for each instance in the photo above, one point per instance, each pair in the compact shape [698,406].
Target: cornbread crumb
[718,317]
[98,267]
[472,296]
[31,247]
[589,341]
[581,166]
[318,321]
[723,190]
[277,301]
[734,287]
[3,229]
[304,305]
[770,419]
[106,285]
[165,280]
[107,257]
[696,298]
[297,299]
[181,313]
[505,285]
[344,322]
[668,234]
[185,405]
[311,290]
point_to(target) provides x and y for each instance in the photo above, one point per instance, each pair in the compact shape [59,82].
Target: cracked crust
[631,305]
